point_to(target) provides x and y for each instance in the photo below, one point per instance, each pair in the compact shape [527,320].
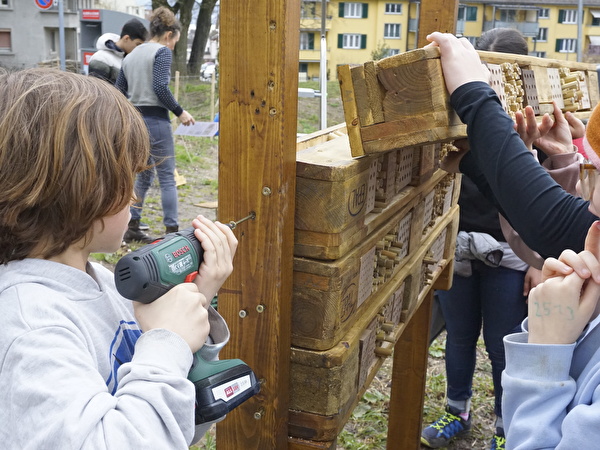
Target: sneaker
[144,226]
[446,428]
[498,441]
[134,233]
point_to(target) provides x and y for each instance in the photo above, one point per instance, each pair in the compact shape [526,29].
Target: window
[391,31]
[467,13]
[567,16]
[393,8]
[4,3]
[393,51]
[307,41]
[566,45]
[352,41]
[544,13]
[595,17]
[308,10]
[354,10]
[542,35]
[539,54]
[5,41]
[508,15]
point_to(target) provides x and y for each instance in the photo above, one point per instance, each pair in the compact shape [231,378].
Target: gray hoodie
[70,377]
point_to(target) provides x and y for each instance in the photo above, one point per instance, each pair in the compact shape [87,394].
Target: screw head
[242,313]
[266,191]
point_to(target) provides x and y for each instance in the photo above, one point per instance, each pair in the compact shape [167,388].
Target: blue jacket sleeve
[548,219]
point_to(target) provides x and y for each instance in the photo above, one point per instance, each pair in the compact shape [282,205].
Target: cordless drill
[148,273]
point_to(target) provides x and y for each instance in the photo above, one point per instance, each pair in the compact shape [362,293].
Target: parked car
[207,70]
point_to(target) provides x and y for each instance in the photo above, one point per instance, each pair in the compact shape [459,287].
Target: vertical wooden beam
[436,15]
[409,373]
[257,169]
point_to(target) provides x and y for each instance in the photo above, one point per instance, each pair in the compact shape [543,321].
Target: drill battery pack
[230,384]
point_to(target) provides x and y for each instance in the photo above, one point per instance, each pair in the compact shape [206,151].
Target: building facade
[29,35]
[370,29]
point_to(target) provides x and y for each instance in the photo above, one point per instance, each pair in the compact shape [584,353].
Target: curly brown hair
[163,20]
[70,146]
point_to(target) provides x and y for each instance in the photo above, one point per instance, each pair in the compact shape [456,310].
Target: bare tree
[203,23]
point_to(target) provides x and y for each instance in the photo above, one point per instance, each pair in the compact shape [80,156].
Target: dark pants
[494,297]
[162,156]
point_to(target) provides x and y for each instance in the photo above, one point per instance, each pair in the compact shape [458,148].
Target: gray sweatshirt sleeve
[59,400]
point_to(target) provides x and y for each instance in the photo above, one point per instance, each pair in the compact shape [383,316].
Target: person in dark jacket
[483,293]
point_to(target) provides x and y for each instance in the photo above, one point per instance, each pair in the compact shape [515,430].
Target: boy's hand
[560,308]
[586,264]
[219,245]
[181,310]
[460,61]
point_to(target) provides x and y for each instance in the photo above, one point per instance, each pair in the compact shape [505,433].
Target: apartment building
[360,31]
[551,26]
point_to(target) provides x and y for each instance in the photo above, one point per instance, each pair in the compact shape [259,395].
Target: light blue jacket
[551,394]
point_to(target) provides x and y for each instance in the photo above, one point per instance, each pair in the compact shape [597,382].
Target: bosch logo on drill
[231,390]
[181,251]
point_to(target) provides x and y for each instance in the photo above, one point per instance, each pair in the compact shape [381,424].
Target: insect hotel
[355,225]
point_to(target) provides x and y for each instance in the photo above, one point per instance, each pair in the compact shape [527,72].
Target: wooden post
[409,374]
[436,15]
[257,170]
[409,371]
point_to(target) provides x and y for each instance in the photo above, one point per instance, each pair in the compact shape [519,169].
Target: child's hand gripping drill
[203,255]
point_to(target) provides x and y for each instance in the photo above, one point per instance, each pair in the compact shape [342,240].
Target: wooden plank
[350,110]
[257,172]
[302,444]
[365,114]
[436,15]
[375,92]
[592,77]
[408,380]
[409,93]
[318,137]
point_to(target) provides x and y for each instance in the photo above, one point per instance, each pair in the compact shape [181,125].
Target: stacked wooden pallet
[372,235]
[402,100]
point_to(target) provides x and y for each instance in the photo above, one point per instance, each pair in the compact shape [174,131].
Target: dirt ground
[198,195]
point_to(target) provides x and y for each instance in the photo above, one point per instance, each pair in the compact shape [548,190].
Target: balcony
[526,28]
[314,23]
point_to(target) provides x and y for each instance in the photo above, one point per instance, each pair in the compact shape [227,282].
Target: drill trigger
[190,277]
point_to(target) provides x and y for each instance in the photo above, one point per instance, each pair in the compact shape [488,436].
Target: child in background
[82,367]
[552,377]
[112,48]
